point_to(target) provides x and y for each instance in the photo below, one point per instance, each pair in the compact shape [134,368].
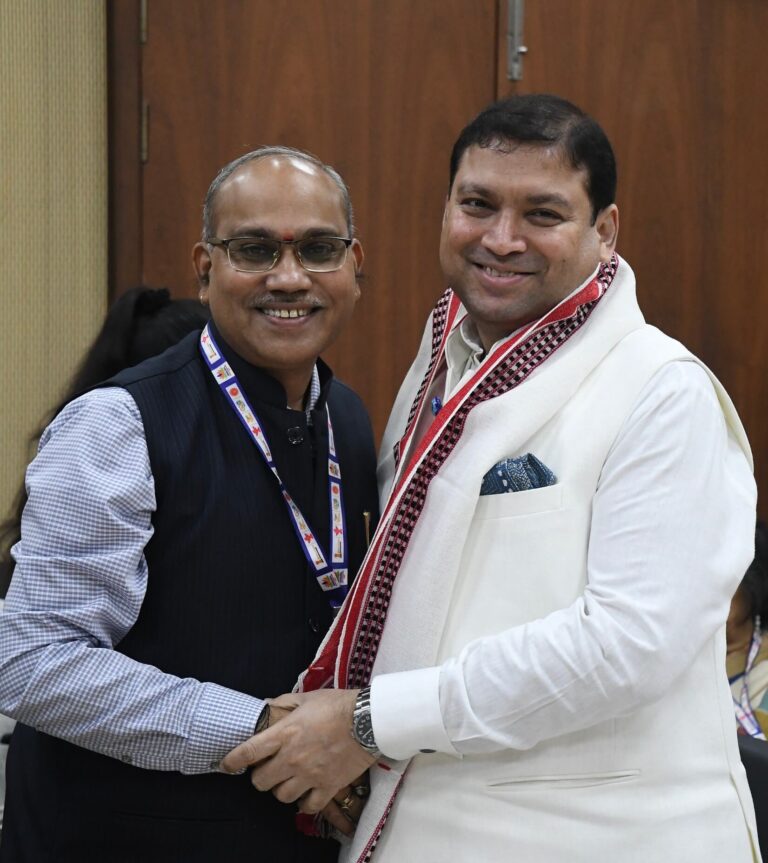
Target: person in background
[747,643]
[141,323]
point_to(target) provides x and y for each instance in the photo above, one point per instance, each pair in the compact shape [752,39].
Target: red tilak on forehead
[288,238]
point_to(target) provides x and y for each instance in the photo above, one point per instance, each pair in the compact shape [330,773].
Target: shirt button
[214,765]
[126,758]
[295,436]
[427,751]
[314,624]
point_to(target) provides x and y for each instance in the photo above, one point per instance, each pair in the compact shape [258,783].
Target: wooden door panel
[378,90]
[679,87]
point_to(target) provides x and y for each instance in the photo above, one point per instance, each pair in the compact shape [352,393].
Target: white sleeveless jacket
[662,782]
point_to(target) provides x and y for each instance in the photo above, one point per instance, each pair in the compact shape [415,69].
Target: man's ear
[358,256]
[607,227]
[201,261]
[445,207]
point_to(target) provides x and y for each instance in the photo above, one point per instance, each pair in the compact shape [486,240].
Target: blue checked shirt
[77,589]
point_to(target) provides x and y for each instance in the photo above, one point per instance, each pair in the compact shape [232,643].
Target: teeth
[286,313]
[491,272]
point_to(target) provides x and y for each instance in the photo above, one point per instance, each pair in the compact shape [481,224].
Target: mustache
[514,261]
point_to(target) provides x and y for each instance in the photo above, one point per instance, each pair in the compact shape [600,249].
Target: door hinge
[142,22]
[515,48]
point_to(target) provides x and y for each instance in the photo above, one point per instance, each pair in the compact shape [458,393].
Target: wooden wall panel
[53,238]
[379,90]
[680,88]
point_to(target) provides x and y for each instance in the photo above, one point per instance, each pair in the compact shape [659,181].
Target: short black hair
[755,581]
[547,120]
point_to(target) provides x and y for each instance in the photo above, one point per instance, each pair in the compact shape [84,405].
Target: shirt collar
[464,351]
[463,354]
[313,394]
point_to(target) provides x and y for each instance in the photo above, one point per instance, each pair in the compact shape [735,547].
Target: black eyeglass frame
[218,241]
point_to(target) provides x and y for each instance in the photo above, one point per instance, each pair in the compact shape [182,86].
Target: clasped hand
[308,755]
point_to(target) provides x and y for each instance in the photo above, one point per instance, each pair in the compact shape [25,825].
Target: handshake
[306,754]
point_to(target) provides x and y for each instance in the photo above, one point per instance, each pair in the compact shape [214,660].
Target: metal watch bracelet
[362,726]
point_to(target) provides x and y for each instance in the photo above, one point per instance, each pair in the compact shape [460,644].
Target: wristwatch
[263,721]
[362,727]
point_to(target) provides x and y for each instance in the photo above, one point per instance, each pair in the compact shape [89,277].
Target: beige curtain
[53,208]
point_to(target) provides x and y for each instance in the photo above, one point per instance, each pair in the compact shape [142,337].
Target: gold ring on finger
[346,804]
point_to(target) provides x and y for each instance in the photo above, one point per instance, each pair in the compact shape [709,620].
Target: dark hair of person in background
[541,119]
[141,323]
[754,585]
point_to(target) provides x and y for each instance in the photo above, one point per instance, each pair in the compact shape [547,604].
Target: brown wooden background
[380,88]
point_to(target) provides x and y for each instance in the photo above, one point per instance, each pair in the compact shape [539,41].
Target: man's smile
[499,277]
[287,313]
[494,271]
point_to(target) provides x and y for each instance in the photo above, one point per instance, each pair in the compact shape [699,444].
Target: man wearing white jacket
[532,659]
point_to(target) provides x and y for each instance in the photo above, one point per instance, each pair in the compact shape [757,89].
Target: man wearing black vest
[190,530]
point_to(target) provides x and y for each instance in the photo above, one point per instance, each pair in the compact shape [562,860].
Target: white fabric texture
[644,600]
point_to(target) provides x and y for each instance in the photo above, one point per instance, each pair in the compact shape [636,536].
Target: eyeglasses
[259,254]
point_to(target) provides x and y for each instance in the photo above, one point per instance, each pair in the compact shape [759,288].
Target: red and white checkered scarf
[346,656]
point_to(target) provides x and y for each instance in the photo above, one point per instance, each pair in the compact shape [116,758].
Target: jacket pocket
[516,503]
[563,781]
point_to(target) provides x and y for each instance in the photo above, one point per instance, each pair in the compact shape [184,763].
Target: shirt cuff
[406,716]
[224,719]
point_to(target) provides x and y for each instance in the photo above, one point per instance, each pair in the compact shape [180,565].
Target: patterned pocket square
[517,474]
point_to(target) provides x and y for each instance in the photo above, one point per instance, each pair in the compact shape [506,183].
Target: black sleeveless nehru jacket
[230,599]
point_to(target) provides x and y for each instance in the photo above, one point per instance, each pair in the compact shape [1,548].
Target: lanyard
[745,715]
[332,577]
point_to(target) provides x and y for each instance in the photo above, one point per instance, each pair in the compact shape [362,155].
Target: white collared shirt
[464,349]
[463,354]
